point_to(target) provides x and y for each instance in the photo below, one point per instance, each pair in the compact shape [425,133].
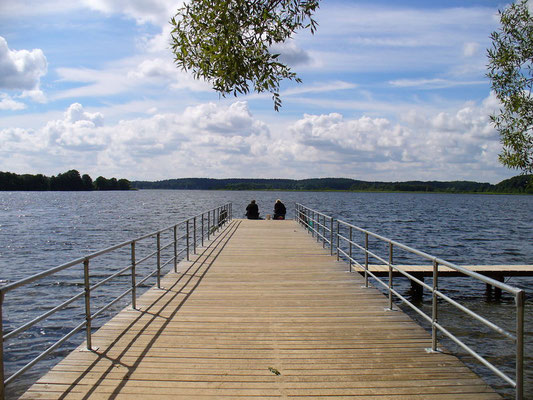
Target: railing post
[331,235]
[390,276]
[350,249]
[208,225]
[2,379]
[520,300]
[366,259]
[323,231]
[202,229]
[194,235]
[158,260]
[338,238]
[317,226]
[133,278]
[187,244]
[175,248]
[87,284]
[434,306]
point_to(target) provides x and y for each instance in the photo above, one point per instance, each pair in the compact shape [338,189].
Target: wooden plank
[262,297]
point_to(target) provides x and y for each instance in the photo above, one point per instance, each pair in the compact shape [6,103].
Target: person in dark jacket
[279,210]
[252,210]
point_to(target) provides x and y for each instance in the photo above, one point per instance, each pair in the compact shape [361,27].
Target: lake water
[40,230]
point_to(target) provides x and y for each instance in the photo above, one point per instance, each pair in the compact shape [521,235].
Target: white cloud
[471,49]
[205,136]
[7,103]
[79,130]
[127,76]
[157,12]
[360,37]
[228,141]
[434,83]
[36,95]
[21,69]
[319,88]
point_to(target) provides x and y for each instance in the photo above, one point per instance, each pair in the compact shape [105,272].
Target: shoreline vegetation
[73,181]
[521,184]
[68,181]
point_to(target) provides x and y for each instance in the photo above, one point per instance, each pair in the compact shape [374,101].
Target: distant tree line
[70,180]
[517,184]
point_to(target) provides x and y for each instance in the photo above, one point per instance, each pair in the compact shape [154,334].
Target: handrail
[216,218]
[344,247]
[311,219]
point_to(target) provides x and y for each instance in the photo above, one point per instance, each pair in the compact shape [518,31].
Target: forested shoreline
[68,181]
[73,181]
[517,184]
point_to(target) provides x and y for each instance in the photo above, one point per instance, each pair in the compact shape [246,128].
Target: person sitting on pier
[279,210]
[252,210]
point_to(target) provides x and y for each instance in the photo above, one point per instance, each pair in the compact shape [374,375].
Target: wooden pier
[263,311]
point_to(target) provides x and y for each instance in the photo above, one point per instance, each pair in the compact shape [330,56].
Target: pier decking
[262,312]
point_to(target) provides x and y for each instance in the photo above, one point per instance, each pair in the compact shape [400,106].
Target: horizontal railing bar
[167,262]
[97,285]
[100,311]
[481,277]
[315,211]
[411,277]
[151,274]
[412,306]
[40,275]
[166,246]
[385,262]
[145,258]
[45,353]
[29,324]
[481,359]
[51,271]
[481,319]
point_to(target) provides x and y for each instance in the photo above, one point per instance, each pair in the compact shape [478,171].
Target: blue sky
[392,90]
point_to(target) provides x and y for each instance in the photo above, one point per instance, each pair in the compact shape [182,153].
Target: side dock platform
[261,312]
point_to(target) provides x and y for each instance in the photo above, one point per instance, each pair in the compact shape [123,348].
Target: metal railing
[343,245]
[183,238]
[320,225]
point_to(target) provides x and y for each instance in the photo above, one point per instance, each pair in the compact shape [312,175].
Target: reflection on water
[42,230]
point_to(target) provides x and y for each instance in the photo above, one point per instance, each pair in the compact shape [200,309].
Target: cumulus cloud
[229,141]
[78,130]
[7,103]
[155,11]
[203,136]
[21,69]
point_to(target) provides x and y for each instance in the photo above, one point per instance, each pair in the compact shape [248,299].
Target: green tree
[87,182]
[124,184]
[70,180]
[511,72]
[228,42]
